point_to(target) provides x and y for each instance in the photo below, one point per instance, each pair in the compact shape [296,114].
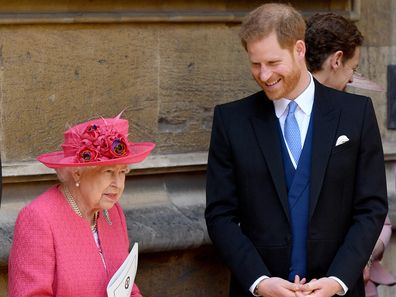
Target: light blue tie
[292,132]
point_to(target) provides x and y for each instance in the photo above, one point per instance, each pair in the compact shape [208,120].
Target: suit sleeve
[369,204]
[222,209]
[31,264]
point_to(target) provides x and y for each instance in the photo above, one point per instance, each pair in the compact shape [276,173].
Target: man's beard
[289,84]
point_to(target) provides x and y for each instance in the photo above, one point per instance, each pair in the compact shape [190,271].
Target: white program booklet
[121,283]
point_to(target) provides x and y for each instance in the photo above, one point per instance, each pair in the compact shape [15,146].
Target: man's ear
[300,49]
[336,59]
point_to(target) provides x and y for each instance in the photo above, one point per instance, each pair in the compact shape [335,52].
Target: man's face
[275,69]
[344,74]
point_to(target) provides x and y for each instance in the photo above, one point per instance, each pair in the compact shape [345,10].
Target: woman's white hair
[65,174]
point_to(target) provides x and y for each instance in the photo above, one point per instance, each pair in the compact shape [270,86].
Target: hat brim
[361,82]
[137,153]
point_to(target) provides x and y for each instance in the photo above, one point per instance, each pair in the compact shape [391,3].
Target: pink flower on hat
[99,143]
[87,154]
[92,132]
[118,146]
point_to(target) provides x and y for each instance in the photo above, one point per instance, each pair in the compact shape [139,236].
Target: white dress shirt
[303,115]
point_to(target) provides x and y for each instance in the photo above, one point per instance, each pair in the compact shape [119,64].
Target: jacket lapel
[326,118]
[265,125]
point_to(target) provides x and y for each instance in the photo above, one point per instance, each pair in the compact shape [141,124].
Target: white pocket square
[342,139]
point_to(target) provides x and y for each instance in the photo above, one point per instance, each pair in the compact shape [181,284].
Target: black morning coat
[247,209]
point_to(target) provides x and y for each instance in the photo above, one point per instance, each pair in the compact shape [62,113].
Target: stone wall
[166,64]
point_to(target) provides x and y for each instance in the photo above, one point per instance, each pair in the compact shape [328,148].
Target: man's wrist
[254,288]
[255,291]
[344,288]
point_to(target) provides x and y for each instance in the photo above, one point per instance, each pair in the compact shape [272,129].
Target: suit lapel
[265,126]
[326,118]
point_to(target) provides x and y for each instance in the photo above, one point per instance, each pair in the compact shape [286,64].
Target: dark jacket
[247,211]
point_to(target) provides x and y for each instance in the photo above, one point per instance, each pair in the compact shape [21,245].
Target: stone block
[55,76]
[376,20]
[201,66]
[192,272]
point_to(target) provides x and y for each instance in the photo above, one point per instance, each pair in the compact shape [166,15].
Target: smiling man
[296,191]
[277,70]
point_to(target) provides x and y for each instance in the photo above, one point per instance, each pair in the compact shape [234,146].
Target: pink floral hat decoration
[97,142]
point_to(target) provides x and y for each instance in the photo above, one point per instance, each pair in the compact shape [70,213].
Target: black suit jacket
[247,211]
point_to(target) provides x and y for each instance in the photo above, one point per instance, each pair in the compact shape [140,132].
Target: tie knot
[292,106]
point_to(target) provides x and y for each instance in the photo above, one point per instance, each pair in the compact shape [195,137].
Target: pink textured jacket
[54,253]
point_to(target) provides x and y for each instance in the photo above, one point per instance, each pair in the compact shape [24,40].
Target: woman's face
[102,186]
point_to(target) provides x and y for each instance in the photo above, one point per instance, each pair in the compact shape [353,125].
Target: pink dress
[54,253]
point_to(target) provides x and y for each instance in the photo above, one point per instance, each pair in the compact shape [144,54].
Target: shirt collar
[304,100]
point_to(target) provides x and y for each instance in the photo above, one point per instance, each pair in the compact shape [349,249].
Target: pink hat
[361,82]
[97,142]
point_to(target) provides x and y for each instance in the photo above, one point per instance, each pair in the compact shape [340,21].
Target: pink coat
[54,253]
[378,274]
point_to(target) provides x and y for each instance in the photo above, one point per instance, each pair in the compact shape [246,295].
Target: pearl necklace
[76,209]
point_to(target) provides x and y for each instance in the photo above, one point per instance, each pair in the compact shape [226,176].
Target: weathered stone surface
[201,65]
[195,272]
[375,22]
[168,78]
[3,283]
[167,228]
[156,5]
[168,73]
[373,64]
[77,73]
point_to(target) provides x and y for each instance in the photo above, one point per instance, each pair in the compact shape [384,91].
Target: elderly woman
[71,239]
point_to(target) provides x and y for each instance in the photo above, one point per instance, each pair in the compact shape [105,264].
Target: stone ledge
[167,228]
[122,17]
[128,15]
[154,164]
